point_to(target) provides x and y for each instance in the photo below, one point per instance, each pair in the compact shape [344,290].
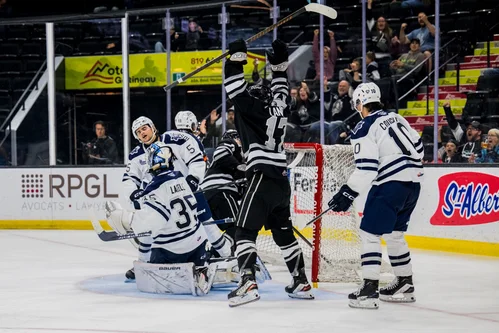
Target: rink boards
[458,210]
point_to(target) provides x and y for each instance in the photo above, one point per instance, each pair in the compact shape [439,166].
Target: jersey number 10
[403,130]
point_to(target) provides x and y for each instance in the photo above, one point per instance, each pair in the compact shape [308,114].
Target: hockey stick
[214,187]
[109,236]
[320,215]
[311,7]
[304,239]
[221,221]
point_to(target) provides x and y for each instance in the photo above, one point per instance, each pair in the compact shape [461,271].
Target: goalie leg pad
[174,279]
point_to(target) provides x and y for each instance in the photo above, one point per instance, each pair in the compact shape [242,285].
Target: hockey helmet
[233,136]
[139,122]
[159,157]
[364,94]
[261,92]
[186,120]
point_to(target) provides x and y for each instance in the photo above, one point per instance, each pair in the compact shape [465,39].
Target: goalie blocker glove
[238,51]
[342,200]
[278,58]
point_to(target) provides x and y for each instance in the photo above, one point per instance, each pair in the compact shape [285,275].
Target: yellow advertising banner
[147,70]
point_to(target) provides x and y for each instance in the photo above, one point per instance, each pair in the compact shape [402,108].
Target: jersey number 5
[403,130]
[274,126]
[179,204]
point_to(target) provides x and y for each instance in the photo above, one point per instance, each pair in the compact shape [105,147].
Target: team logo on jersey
[467,198]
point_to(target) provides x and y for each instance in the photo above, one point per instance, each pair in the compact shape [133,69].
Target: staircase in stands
[470,70]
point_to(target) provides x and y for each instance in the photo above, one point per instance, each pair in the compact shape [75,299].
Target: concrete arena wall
[458,210]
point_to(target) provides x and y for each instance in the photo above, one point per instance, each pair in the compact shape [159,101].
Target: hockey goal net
[316,172]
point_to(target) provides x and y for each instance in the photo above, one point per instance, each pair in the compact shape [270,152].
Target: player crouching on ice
[388,155]
[178,251]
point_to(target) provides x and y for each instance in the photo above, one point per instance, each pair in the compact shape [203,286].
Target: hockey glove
[238,51]
[135,196]
[279,57]
[343,199]
[193,182]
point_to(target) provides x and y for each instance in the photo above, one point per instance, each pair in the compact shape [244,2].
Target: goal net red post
[316,172]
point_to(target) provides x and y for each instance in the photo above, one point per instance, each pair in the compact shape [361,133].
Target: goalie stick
[311,7]
[109,236]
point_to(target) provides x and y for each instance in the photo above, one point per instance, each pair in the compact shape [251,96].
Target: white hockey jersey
[386,148]
[189,160]
[170,210]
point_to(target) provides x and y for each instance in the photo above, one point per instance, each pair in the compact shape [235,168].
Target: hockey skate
[366,297]
[400,290]
[299,287]
[130,275]
[246,292]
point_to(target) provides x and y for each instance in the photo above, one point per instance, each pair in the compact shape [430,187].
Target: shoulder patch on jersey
[137,151]
[364,125]
[176,137]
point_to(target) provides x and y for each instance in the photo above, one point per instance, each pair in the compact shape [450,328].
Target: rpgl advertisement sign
[57,194]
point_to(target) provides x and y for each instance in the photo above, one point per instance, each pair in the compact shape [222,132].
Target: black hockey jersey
[224,168]
[261,127]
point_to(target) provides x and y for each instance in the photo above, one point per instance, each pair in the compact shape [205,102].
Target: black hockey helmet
[230,135]
[261,92]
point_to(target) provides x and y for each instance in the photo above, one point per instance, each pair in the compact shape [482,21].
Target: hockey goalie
[167,208]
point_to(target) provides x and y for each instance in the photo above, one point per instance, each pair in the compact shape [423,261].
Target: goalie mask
[186,120]
[144,137]
[159,158]
[364,94]
[261,92]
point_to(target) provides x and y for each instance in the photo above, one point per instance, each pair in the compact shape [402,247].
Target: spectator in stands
[451,154]
[305,109]
[353,74]
[408,61]
[193,36]
[330,55]
[413,4]
[338,105]
[214,127]
[491,153]
[471,140]
[381,33]
[102,149]
[425,34]
[372,71]
[174,44]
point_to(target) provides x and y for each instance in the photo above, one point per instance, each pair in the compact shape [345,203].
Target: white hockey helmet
[364,94]
[186,120]
[139,122]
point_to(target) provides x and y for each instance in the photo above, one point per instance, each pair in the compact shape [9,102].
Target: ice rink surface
[71,281]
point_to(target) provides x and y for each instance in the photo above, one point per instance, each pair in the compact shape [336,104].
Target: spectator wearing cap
[491,153]
[425,34]
[469,137]
[473,143]
[451,154]
[409,60]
